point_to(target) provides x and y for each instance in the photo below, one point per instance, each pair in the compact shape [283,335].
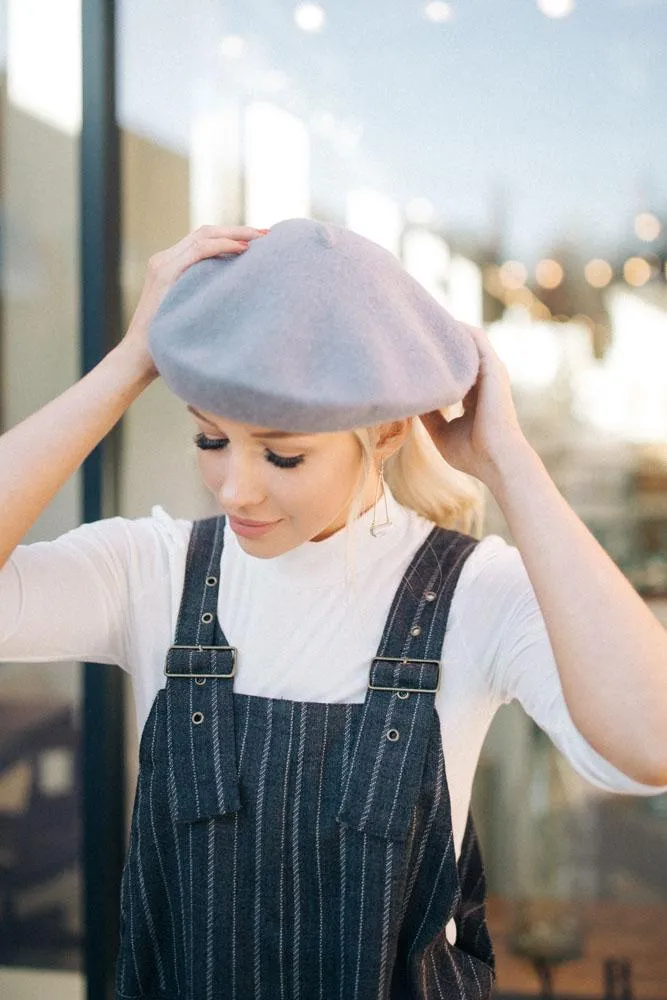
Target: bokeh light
[598,273]
[309,17]
[636,271]
[556,8]
[549,273]
[438,11]
[513,274]
[647,227]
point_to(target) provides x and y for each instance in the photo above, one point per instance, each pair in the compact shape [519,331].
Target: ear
[391,436]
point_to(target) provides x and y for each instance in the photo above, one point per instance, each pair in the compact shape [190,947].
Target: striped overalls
[292,849]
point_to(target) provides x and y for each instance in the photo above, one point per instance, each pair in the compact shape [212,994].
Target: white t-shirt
[110,591]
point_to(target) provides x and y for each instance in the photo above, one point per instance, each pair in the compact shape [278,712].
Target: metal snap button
[403,694]
[211,581]
[393,735]
[197,717]
[430,595]
[207,617]
[417,630]
[200,680]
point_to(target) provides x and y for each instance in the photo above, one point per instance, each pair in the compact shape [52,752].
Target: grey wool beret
[312,328]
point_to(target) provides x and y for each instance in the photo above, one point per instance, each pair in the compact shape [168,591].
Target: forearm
[611,651]
[38,455]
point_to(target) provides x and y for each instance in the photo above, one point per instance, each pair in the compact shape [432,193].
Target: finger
[475,331]
[242,232]
[196,250]
[470,398]
[209,246]
[434,421]
[483,342]
[231,233]
[479,336]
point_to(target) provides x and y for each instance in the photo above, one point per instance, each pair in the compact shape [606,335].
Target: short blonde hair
[419,478]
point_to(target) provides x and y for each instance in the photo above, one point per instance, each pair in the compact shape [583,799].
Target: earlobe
[393,437]
[400,429]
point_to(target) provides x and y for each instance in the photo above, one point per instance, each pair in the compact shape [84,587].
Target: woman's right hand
[165,267]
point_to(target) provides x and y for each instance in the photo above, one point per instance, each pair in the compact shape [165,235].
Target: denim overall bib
[301,850]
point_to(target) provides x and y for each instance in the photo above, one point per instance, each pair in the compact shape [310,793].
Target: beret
[312,328]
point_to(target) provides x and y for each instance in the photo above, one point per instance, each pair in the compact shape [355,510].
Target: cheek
[322,482]
[212,470]
[284,486]
[207,469]
[329,479]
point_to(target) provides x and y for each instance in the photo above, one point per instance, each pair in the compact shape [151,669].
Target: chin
[259,548]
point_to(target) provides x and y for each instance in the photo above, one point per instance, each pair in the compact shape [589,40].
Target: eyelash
[204,442]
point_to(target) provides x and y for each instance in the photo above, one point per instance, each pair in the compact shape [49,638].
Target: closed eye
[204,442]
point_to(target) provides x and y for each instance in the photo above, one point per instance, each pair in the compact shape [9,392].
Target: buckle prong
[402,687]
[200,649]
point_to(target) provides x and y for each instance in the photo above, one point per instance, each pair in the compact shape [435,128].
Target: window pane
[514,160]
[40,794]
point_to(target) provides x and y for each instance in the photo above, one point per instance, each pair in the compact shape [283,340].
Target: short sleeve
[511,644]
[68,598]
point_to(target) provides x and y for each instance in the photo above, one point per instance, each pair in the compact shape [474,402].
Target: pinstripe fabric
[286,849]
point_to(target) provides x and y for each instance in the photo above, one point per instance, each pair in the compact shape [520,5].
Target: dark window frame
[103,737]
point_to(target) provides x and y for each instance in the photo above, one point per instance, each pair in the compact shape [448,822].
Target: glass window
[513,157]
[40,794]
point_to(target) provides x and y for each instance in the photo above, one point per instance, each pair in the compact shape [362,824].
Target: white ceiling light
[309,17]
[556,8]
[438,11]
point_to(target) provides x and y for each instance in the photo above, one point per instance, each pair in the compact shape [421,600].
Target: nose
[240,489]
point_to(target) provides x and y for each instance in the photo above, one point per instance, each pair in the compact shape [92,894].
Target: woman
[301,825]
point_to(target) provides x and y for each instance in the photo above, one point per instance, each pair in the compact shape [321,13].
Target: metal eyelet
[416,630]
[197,718]
[200,680]
[211,581]
[403,695]
[393,735]
[207,617]
[430,595]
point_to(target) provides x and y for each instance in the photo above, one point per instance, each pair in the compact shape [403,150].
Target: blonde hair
[421,479]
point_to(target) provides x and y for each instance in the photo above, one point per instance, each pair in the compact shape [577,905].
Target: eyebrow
[274,435]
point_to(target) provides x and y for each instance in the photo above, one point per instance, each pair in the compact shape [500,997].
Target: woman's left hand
[488,430]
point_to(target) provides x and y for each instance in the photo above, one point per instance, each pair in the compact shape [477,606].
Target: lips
[251,524]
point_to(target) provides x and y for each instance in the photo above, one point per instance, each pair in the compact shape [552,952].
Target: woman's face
[302,482]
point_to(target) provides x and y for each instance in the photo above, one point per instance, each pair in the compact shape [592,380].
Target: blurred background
[512,155]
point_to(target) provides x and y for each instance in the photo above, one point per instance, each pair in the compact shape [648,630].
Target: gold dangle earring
[376,529]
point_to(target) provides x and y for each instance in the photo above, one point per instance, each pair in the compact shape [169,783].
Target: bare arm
[38,455]
[610,650]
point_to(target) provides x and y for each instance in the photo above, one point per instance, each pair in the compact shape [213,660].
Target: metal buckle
[406,659]
[201,649]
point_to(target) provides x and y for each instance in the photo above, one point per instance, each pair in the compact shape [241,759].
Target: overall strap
[385,775]
[200,668]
